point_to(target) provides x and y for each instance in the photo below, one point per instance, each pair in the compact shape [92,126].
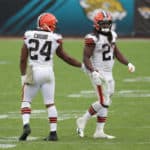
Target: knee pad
[97,106]
[102,112]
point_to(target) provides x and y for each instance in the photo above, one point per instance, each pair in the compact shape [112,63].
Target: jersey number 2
[106,55]
[44,51]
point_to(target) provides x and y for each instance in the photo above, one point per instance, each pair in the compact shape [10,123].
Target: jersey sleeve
[58,38]
[114,36]
[27,34]
[89,40]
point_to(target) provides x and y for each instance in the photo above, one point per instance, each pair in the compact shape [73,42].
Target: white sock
[26,111]
[52,115]
[25,118]
[100,127]
[87,116]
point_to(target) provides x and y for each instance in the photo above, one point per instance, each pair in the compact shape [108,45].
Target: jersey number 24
[45,50]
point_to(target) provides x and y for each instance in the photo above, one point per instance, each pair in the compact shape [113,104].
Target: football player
[36,67]
[100,52]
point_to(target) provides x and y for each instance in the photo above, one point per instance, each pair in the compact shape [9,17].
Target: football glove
[97,78]
[23,78]
[83,68]
[131,67]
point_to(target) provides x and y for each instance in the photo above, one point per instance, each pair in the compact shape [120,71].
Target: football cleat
[26,132]
[80,132]
[52,136]
[102,135]
[81,122]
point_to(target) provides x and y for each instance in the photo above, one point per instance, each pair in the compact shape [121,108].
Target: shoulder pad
[90,36]
[90,39]
[27,34]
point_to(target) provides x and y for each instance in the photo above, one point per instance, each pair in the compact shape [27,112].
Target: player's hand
[97,78]
[23,78]
[131,67]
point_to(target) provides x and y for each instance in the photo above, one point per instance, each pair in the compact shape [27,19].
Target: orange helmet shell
[102,17]
[47,21]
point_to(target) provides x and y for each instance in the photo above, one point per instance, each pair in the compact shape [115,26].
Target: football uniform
[41,48]
[102,60]
[99,52]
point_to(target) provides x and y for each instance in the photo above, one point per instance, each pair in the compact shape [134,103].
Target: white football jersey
[42,46]
[103,54]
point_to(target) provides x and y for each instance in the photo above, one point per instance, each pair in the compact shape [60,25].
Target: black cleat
[52,136]
[26,132]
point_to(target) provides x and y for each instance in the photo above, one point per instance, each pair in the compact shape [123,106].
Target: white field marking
[141,143]
[96,142]
[84,94]
[7,140]
[133,93]
[15,139]
[42,114]
[3,116]
[3,62]
[31,138]
[121,93]
[138,79]
[4,146]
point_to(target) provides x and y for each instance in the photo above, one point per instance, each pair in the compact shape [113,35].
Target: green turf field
[129,113]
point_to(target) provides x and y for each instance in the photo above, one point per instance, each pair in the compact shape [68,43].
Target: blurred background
[131,17]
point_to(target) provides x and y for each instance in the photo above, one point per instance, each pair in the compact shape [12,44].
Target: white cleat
[80,126]
[80,132]
[102,135]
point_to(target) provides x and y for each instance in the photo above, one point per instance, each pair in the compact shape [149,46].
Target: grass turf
[128,117]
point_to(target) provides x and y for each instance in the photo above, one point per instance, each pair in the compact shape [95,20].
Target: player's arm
[87,53]
[23,62]
[122,59]
[23,59]
[65,57]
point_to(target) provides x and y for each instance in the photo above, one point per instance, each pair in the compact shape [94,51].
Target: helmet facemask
[104,26]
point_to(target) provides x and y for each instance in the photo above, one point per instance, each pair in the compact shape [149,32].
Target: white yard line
[3,62]
[5,146]
[138,79]
[121,93]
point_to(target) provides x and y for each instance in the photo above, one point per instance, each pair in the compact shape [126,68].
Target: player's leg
[81,121]
[29,92]
[102,113]
[101,120]
[48,94]
[93,109]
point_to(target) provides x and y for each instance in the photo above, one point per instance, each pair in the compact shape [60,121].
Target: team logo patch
[144,12]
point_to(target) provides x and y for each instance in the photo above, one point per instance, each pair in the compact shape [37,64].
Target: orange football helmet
[47,22]
[103,21]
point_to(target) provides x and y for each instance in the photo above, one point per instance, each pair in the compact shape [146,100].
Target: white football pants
[44,80]
[106,90]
